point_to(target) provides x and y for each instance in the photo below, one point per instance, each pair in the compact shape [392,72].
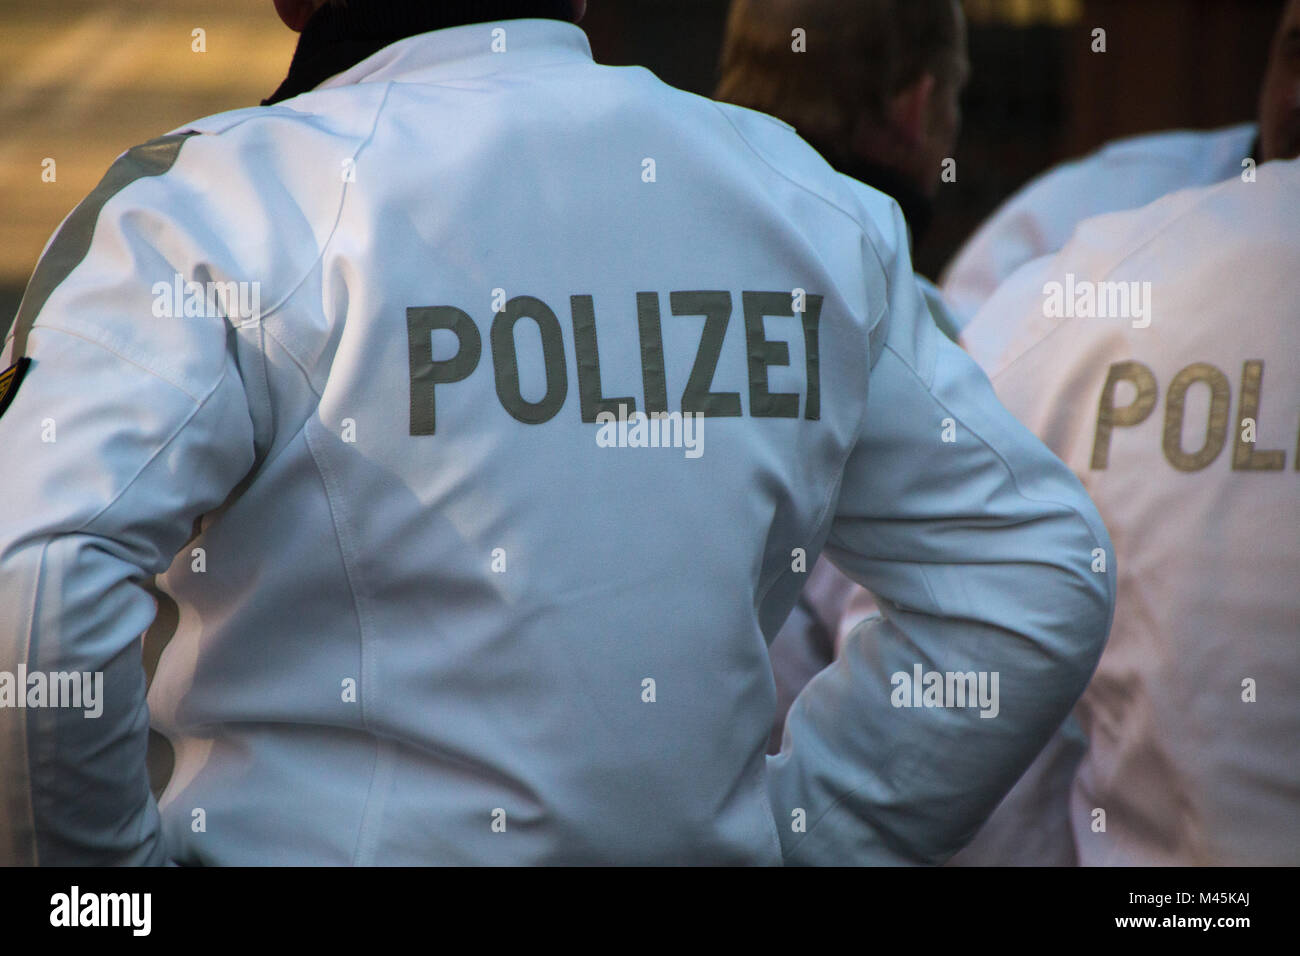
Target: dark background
[1038,94]
[86,79]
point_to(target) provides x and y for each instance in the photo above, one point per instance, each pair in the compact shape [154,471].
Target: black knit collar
[338,38]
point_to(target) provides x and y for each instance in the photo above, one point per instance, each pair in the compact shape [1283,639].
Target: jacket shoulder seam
[801,185]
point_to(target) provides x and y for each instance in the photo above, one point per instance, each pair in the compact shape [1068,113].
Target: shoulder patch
[10,379]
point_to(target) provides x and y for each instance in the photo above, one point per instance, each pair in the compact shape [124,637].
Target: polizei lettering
[700,396]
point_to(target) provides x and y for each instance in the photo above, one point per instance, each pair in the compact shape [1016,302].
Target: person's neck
[338,38]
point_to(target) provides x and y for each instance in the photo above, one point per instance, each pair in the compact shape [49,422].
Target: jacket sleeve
[981,547]
[128,425]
